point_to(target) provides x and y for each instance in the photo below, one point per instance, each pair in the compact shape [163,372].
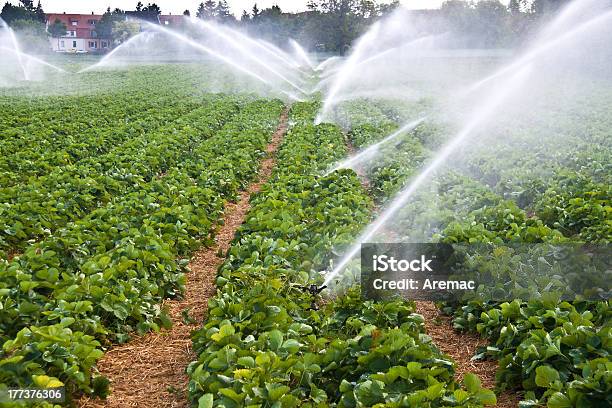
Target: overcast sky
[178,6]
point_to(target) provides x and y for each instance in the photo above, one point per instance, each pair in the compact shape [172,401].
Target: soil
[461,346]
[149,371]
[12,254]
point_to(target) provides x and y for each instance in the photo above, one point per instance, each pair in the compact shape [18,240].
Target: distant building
[172,21]
[168,20]
[82,37]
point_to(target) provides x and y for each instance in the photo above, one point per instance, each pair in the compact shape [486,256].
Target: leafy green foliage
[578,207]
[103,269]
[63,157]
[261,345]
[556,351]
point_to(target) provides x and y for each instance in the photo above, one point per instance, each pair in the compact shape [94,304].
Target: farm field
[187,232]
[88,264]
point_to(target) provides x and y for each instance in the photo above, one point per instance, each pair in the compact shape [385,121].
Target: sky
[178,6]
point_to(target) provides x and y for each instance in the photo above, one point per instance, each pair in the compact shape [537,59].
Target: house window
[74,44]
[104,44]
[94,34]
[62,45]
[71,33]
[166,22]
[74,23]
[93,44]
[91,22]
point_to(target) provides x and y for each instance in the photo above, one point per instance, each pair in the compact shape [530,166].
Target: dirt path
[12,254]
[461,346]
[359,170]
[458,345]
[149,371]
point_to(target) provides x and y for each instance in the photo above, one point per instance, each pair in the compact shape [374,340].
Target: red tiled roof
[83,27]
[81,19]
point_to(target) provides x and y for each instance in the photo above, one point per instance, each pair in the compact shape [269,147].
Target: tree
[206,11]
[104,27]
[28,4]
[367,9]
[187,13]
[255,12]
[272,24]
[123,30]
[40,13]
[32,34]
[222,12]
[150,12]
[312,5]
[514,7]
[388,7]
[246,17]
[542,7]
[347,18]
[10,13]
[24,11]
[489,24]
[330,25]
[57,30]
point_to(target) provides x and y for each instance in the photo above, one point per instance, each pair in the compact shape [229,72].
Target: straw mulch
[12,254]
[461,346]
[149,371]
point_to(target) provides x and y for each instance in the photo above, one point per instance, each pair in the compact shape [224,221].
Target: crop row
[262,344]
[34,210]
[98,278]
[557,351]
[101,123]
[566,189]
[45,130]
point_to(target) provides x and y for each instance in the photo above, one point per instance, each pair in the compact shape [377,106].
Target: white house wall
[81,44]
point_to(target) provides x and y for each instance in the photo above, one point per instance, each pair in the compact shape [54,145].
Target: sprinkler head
[314,291]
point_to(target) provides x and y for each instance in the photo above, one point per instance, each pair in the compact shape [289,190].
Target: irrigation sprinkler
[314,291]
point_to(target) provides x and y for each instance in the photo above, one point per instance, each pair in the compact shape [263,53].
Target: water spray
[301,53]
[240,47]
[372,150]
[17,49]
[266,47]
[348,68]
[195,45]
[488,107]
[282,54]
[111,54]
[325,63]
[535,52]
[31,57]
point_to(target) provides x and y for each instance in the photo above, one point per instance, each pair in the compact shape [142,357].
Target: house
[172,20]
[167,20]
[81,35]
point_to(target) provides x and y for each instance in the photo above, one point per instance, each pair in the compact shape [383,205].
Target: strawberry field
[108,196]
[557,352]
